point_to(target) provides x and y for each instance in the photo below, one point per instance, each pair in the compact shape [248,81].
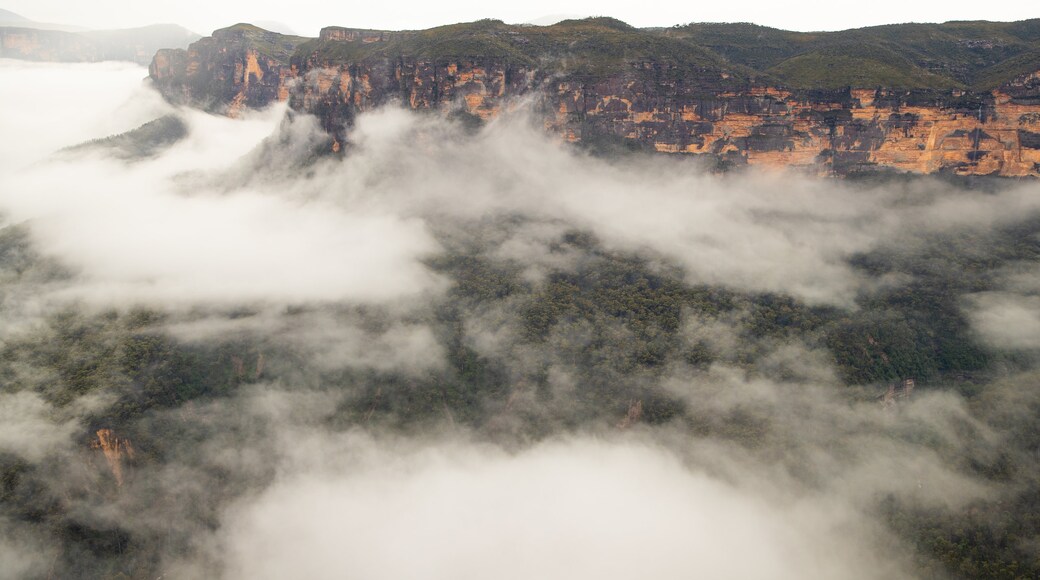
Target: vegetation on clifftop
[979,55]
[954,55]
[279,47]
[595,46]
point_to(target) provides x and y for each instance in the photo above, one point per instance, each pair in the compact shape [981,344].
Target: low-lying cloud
[162,231]
[183,228]
[435,356]
[1007,320]
[572,509]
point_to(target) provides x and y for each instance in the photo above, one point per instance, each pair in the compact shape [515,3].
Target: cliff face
[833,131]
[652,102]
[337,93]
[115,450]
[46,45]
[240,66]
[133,44]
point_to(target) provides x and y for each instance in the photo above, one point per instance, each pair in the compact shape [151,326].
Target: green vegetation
[979,55]
[856,65]
[1022,64]
[759,47]
[585,48]
[146,141]
[955,55]
[279,47]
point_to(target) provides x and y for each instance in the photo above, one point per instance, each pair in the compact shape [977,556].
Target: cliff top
[976,55]
[272,44]
[584,47]
[958,54]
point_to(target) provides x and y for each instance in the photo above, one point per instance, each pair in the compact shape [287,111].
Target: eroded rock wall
[337,93]
[225,72]
[825,131]
[830,131]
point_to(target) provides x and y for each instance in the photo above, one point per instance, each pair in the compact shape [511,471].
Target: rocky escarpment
[46,45]
[132,44]
[236,67]
[599,81]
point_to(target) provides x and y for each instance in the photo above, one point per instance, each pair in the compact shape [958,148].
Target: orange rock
[114,449]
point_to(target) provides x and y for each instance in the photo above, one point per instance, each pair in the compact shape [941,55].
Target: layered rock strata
[646,103]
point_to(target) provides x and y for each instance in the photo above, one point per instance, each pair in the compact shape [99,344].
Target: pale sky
[308,16]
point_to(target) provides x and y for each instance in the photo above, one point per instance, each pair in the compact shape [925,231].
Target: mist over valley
[239,342]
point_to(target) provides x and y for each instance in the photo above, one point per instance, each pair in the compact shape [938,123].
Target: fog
[194,226]
[456,353]
[158,231]
[102,107]
[585,508]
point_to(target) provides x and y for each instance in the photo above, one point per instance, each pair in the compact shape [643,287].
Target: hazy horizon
[306,17]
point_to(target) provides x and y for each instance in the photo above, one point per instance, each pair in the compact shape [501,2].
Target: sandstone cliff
[601,81]
[240,66]
[132,44]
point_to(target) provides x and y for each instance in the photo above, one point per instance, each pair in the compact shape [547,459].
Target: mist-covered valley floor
[461,352]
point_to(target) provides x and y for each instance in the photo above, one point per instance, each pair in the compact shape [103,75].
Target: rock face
[115,451]
[240,66]
[337,93]
[655,99]
[835,131]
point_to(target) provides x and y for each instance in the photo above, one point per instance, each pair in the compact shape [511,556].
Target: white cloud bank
[161,231]
[574,509]
[205,223]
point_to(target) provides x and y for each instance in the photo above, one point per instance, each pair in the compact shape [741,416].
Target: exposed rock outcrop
[671,100]
[240,66]
[115,450]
